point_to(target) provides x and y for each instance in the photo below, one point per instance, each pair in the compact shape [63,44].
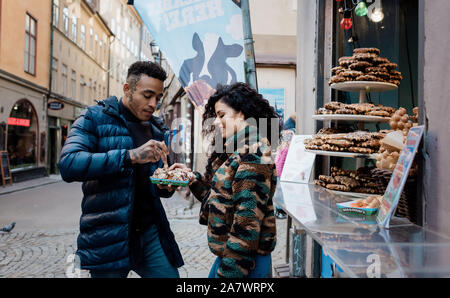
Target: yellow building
[80,58]
[24,81]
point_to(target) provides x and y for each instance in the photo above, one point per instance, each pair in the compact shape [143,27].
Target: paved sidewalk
[44,253]
[20,186]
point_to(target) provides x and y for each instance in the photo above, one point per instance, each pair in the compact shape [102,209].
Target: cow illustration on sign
[209,67]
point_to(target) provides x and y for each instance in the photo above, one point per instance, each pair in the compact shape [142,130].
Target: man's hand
[152,151]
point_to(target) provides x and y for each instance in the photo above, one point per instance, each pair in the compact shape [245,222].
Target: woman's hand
[184,168]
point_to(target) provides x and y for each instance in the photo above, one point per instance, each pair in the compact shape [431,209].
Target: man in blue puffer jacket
[113,148]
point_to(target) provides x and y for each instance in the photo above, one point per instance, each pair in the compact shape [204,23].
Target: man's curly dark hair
[139,68]
[241,98]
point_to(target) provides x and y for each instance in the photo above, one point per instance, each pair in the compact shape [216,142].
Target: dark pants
[153,265]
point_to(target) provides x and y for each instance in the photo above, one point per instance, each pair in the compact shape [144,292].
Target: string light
[377,15]
[346,22]
[361,9]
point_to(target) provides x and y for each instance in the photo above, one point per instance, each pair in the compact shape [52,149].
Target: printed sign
[19,122]
[55,105]
[201,39]
[399,176]
[5,168]
[298,165]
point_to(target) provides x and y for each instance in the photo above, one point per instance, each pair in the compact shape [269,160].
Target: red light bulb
[346,22]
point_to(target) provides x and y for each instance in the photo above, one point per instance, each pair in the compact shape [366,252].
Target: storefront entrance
[22,135]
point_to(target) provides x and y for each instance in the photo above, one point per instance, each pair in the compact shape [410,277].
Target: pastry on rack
[357,181]
[367,109]
[366,65]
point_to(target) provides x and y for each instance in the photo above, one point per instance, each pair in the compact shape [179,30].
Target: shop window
[392,27]
[22,135]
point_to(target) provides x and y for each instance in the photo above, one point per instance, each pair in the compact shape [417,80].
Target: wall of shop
[435,92]
[279,79]
[11,93]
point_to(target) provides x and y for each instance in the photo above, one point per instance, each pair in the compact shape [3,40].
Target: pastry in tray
[177,177]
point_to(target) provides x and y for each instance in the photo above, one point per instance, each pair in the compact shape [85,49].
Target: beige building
[24,81]
[80,58]
[274,28]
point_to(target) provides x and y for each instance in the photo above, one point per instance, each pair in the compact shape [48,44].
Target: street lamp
[156,53]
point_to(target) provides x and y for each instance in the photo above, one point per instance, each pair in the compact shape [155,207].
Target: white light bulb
[377,15]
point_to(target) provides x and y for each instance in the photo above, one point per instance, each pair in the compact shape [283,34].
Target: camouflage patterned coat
[237,203]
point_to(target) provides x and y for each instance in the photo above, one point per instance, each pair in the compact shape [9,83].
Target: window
[118,72]
[100,52]
[64,79]
[95,90]
[82,84]
[56,13]
[30,45]
[74,29]
[83,36]
[90,89]
[73,84]
[111,67]
[54,74]
[95,45]
[66,20]
[113,26]
[91,40]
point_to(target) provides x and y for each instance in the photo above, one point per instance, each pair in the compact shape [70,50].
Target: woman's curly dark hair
[241,98]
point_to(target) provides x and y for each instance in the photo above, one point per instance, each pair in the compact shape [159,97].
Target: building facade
[80,50]
[275,42]
[24,80]
[125,23]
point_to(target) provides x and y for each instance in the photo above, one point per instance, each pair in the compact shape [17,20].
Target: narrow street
[44,238]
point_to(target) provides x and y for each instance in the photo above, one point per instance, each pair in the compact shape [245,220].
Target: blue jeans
[263,267]
[154,264]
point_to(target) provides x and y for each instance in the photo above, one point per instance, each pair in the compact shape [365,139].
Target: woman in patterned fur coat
[237,188]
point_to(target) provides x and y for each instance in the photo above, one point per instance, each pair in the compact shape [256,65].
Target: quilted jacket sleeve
[200,187]
[79,161]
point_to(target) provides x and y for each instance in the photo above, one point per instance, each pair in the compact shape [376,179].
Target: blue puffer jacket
[94,154]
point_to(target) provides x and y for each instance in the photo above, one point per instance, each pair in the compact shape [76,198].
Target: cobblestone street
[47,253]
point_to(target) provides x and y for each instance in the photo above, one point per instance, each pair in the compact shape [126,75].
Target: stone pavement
[49,254]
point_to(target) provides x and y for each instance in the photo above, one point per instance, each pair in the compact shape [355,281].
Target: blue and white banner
[201,39]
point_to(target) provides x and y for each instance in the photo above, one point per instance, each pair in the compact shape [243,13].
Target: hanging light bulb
[346,22]
[361,9]
[377,15]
